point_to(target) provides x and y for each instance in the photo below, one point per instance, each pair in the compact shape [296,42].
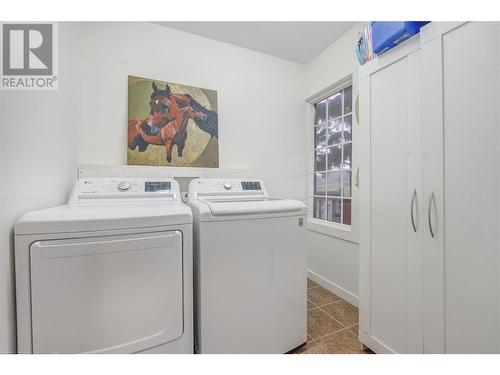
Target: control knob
[227,185]
[124,186]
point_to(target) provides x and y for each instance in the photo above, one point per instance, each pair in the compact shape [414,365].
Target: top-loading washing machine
[250,268]
[110,272]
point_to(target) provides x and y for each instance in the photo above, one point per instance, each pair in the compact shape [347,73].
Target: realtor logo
[29,60]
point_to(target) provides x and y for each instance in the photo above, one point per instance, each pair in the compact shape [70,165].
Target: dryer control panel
[99,188]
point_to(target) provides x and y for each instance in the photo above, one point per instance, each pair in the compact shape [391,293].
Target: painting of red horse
[171,124]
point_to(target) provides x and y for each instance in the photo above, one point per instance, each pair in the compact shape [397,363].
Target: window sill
[341,231]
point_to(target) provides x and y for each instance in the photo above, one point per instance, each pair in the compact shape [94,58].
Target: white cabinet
[429,193]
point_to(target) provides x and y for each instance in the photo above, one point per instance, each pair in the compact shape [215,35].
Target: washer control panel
[250,185]
[229,187]
[97,188]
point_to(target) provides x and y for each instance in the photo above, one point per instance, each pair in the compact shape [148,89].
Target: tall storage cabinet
[391,192]
[429,193]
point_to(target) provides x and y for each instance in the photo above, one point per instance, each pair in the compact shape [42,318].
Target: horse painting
[166,124]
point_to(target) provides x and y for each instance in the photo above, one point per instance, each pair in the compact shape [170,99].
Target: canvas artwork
[171,124]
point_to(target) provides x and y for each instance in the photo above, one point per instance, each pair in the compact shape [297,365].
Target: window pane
[333,186]
[347,211]
[319,208]
[334,157]
[335,105]
[320,136]
[320,159]
[335,132]
[347,156]
[334,210]
[347,125]
[319,183]
[346,184]
[348,100]
[320,112]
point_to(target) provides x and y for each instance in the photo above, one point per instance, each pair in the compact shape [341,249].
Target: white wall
[260,98]
[38,158]
[334,63]
[333,261]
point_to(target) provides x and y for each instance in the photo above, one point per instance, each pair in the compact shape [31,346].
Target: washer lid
[216,209]
[216,199]
[252,206]
[99,217]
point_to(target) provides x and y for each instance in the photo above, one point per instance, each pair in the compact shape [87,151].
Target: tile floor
[332,324]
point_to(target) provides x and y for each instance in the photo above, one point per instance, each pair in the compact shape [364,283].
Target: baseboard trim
[334,288]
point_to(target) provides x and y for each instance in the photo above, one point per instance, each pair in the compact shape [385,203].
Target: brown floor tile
[311,284]
[305,348]
[343,342]
[320,324]
[301,350]
[355,329]
[310,305]
[326,325]
[344,312]
[320,296]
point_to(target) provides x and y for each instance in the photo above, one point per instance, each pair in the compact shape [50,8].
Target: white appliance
[250,268]
[110,272]
[430,193]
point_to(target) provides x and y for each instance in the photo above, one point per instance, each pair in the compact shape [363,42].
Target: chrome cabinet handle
[413,200]
[432,201]
[356,181]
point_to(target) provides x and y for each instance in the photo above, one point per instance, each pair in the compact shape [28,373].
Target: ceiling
[295,41]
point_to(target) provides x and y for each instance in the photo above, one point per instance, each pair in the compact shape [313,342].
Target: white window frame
[338,230]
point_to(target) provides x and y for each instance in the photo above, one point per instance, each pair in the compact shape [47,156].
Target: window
[333,158]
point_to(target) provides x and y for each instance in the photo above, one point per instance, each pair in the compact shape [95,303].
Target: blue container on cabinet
[386,35]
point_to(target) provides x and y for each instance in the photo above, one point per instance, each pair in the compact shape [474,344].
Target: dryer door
[113,294]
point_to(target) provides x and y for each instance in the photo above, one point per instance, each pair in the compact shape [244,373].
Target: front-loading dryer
[110,272]
[250,268]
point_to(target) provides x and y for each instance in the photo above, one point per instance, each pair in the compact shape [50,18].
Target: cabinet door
[461,188]
[392,317]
